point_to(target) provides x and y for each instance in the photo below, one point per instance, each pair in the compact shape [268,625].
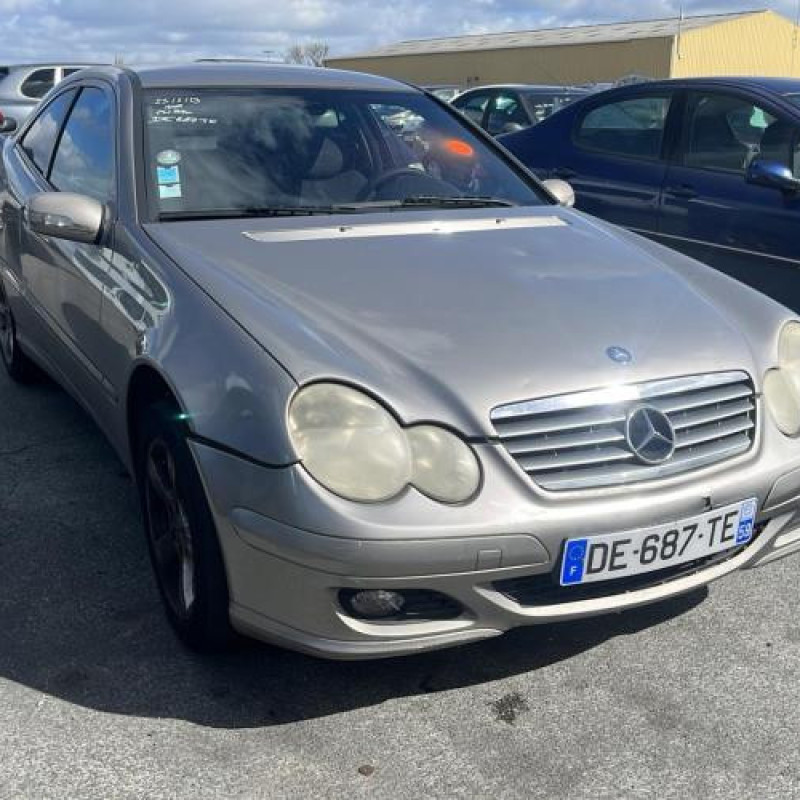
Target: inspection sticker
[168,175]
[169,191]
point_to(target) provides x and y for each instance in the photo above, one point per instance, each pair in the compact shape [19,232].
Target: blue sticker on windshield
[169,192]
[168,174]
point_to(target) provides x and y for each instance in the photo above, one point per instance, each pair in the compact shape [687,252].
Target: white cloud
[154,30]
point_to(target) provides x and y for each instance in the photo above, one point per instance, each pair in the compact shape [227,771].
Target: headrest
[329,161]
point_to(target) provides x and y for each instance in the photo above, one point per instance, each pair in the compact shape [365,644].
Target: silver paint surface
[445,315]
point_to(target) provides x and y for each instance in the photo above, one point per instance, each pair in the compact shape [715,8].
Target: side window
[781,142]
[38,83]
[41,137]
[632,127]
[506,114]
[84,160]
[473,106]
[727,132]
[543,105]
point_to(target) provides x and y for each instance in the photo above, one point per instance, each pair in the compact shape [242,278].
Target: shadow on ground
[80,618]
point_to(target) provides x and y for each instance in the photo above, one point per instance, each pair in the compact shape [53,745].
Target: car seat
[713,143]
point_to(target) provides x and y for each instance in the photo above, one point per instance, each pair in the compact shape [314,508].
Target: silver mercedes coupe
[381,391]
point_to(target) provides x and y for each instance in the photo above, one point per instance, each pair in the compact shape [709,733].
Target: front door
[710,211]
[64,280]
[617,163]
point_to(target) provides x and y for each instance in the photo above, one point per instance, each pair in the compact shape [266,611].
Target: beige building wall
[569,64]
[761,44]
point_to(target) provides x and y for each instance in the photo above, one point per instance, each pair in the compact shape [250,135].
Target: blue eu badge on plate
[574,561]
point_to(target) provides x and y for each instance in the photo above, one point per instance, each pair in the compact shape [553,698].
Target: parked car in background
[710,167]
[22,86]
[505,109]
[446,93]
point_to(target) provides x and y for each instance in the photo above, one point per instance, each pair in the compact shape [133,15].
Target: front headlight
[354,447]
[789,352]
[782,385]
[445,468]
[349,443]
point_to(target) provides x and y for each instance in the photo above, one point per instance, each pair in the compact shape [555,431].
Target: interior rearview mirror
[561,190]
[65,215]
[773,175]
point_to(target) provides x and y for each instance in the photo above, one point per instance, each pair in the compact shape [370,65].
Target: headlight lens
[782,401]
[445,468]
[789,344]
[354,447]
[350,443]
[782,385]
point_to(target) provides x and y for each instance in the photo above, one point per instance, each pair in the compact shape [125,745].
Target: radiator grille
[579,441]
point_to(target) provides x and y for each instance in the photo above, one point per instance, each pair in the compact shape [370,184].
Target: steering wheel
[373,189]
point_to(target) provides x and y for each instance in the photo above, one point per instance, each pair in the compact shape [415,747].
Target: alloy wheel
[7,343]
[169,529]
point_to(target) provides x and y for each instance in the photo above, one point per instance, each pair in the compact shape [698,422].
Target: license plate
[618,555]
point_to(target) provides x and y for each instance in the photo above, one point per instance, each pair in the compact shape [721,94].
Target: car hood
[448,315]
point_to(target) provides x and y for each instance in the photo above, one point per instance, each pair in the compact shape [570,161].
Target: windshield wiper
[427,201]
[476,201]
[417,201]
[254,211]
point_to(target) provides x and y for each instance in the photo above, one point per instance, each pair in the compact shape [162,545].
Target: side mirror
[773,175]
[561,190]
[64,215]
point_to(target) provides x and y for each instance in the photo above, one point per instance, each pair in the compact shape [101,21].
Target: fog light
[376,603]
[405,605]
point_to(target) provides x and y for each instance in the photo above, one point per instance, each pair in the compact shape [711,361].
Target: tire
[18,366]
[181,534]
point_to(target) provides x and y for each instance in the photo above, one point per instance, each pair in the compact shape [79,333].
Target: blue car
[710,167]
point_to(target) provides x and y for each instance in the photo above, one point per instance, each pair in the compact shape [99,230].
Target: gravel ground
[694,698]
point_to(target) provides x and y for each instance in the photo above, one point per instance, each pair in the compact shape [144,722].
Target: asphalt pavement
[695,698]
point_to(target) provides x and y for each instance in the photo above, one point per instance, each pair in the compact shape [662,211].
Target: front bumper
[290,548]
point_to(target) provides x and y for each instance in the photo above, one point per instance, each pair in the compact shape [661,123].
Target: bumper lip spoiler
[253,624]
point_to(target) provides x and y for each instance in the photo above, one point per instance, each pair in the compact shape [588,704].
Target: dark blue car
[710,167]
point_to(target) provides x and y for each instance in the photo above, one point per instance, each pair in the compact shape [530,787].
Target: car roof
[779,85]
[527,87]
[41,64]
[259,75]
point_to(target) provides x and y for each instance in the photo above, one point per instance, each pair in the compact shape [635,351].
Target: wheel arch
[146,387]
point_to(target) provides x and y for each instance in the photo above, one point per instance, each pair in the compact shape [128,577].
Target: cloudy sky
[171,30]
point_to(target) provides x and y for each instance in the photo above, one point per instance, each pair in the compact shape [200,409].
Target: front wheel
[181,534]
[19,367]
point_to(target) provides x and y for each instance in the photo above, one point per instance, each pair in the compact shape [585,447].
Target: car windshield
[263,152]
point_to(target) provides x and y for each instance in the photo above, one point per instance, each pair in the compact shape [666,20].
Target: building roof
[549,37]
